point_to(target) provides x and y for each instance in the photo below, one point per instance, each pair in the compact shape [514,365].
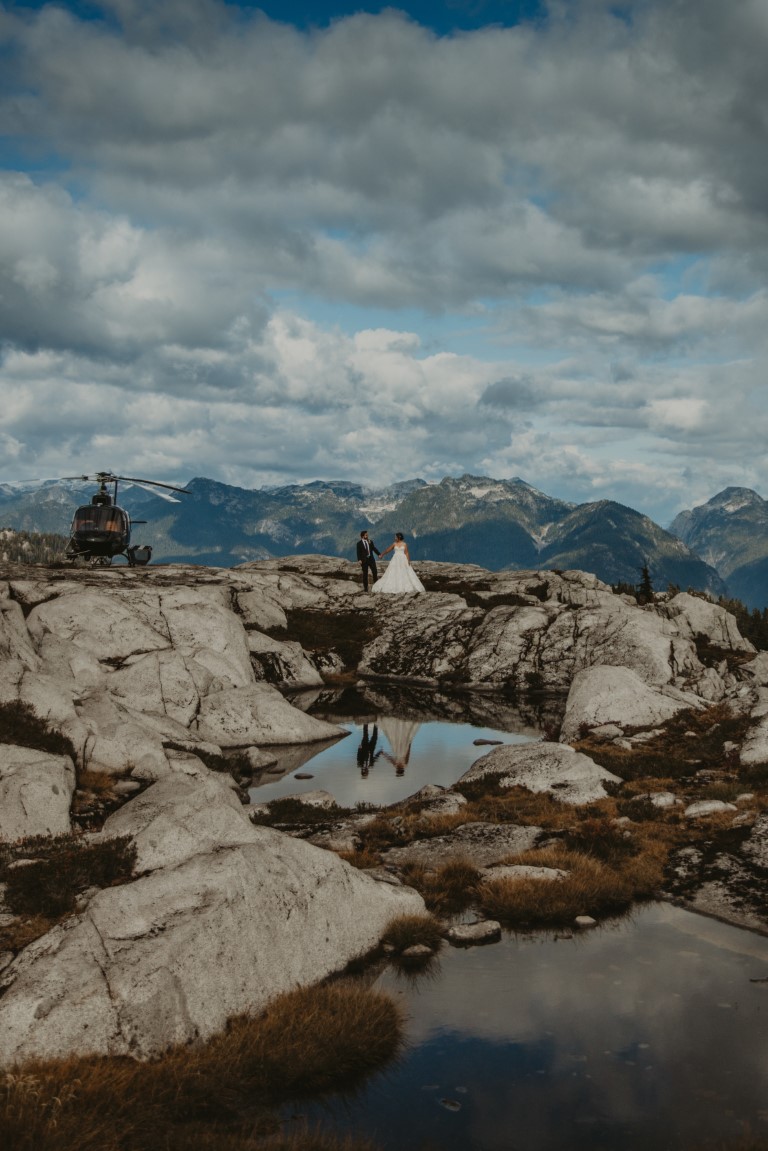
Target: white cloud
[194,161]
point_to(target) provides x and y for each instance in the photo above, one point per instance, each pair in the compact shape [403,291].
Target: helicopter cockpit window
[99,519]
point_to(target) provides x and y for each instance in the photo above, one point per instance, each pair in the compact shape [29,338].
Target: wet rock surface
[726,876]
[472,934]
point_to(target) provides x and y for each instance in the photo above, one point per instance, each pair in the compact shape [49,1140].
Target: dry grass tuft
[285,1052]
[408,930]
[382,833]
[488,802]
[592,887]
[21,932]
[430,826]
[96,782]
[448,888]
[601,838]
[222,1095]
[364,859]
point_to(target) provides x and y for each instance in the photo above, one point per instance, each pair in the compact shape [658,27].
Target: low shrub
[688,742]
[600,837]
[291,812]
[20,725]
[223,1094]
[382,832]
[44,876]
[235,763]
[345,633]
[755,775]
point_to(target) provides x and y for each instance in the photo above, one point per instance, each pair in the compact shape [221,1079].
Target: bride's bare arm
[389,549]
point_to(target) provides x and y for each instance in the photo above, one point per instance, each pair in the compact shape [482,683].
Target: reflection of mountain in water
[400,735]
[364,702]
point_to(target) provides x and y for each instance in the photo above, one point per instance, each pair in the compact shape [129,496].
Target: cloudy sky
[334,240]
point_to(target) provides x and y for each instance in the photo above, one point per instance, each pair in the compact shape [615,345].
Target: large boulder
[548,644]
[170,957]
[552,767]
[258,714]
[699,619]
[36,790]
[618,695]
[108,625]
[282,661]
[121,742]
[179,817]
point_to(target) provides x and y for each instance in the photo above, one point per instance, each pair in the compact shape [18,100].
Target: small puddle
[392,749]
[648,1032]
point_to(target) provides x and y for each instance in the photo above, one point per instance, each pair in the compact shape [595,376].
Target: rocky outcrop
[552,767]
[726,878]
[121,661]
[152,672]
[482,844]
[538,630]
[617,695]
[226,916]
[36,791]
[126,666]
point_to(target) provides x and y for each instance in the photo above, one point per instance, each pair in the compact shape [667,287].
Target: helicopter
[101,530]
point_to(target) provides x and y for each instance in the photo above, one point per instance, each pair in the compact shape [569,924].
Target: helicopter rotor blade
[153,483]
[95,478]
[147,488]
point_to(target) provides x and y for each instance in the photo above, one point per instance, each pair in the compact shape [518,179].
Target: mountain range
[472,519]
[730,532]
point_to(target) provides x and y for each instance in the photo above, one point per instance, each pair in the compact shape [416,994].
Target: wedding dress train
[400,734]
[399,576]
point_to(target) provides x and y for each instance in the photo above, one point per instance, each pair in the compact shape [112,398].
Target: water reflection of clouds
[612,1029]
[625,972]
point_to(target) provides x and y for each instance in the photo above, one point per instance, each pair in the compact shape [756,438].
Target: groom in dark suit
[365,552]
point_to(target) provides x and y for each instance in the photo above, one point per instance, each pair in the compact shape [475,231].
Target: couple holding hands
[399,576]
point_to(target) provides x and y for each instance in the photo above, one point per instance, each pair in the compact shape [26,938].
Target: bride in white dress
[399,576]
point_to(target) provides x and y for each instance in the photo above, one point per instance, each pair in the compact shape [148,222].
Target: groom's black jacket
[362,555]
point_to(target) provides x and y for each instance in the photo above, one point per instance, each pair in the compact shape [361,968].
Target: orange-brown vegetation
[221,1095]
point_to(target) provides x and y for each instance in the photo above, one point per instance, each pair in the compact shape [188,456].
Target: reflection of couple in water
[366,752]
[400,735]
